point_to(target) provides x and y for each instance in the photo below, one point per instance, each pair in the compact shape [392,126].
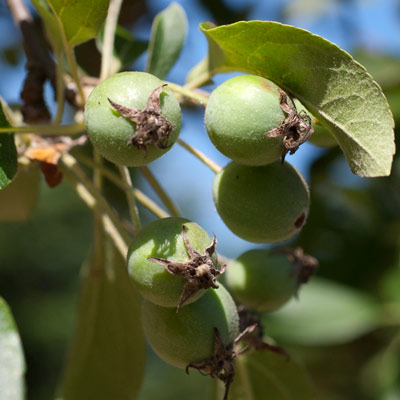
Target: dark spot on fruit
[300,220]
[237,176]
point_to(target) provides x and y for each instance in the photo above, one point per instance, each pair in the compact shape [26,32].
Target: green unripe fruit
[110,132]
[238,114]
[261,204]
[163,239]
[188,336]
[262,281]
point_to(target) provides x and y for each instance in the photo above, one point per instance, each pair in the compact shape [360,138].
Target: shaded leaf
[326,313]
[80,20]
[263,374]
[18,200]
[8,152]
[167,37]
[126,48]
[52,28]
[12,363]
[384,68]
[107,357]
[380,375]
[327,80]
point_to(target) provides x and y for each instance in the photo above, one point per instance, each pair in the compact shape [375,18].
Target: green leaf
[126,48]
[107,357]
[167,37]
[326,313]
[380,375]
[12,363]
[80,20]
[8,152]
[265,375]
[18,200]
[52,28]
[326,79]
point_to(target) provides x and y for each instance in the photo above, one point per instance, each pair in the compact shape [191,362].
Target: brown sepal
[199,271]
[152,128]
[295,129]
[220,365]
[304,264]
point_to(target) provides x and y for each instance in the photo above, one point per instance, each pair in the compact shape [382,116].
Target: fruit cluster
[189,318]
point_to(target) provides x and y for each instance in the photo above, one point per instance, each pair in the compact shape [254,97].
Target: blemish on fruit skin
[300,220]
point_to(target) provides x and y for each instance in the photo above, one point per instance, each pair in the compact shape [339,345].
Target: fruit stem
[60,87]
[108,39]
[201,156]
[189,93]
[72,129]
[133,210]
[200,81]
[162,194]
[74,70]
[114,178]
[98,230]
[95,200]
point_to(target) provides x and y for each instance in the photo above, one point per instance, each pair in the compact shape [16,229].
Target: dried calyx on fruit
[172,261]
[200,336]
[199,271]
[152,128]
[132,118]
[265,280]
[253,333]
[221,364]
[295,129]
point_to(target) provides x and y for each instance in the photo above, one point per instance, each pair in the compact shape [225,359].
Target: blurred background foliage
[345,327]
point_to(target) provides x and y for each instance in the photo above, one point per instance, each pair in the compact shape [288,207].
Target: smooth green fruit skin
[238,114]
[188,336]
[163,238]
[109,131]
[261,280]
[262,204]
[321,136]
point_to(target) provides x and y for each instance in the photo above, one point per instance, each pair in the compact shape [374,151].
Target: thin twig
[72,129]
[188,93]
[162,194]
[98,229]
[91,202]
[201,156]
[199,81]
[108,40]
[134,213]
[60,87]
[114,178]
[101,204]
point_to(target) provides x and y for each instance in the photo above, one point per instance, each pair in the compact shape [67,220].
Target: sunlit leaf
[265,375]
[8,152]
[12,363]
[325,313]
[167,37]
[107,357]
[80,20]
[326,79]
